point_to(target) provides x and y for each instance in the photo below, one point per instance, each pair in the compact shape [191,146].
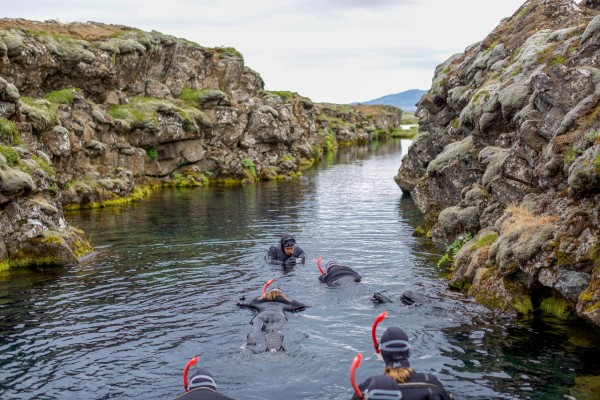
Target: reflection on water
[167,274]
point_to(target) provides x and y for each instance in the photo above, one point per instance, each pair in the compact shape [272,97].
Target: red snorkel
[353,368]
[319,265]
[267,285]
[185,372]
[379,318]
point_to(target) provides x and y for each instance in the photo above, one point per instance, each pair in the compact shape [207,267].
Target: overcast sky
[329,50]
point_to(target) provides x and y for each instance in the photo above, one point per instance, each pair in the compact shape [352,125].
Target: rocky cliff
[509,152]
[94,114]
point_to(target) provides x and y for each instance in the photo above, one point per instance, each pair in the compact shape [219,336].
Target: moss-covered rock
[52,249]
[494,291]
[40,113]
[205,98]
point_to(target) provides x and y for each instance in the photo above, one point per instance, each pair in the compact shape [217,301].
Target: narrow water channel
[167,273]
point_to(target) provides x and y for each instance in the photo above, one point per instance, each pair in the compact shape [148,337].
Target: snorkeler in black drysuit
[201,386]
[288,252]
[399,380]
[408,297]
[268,323]
[337,274]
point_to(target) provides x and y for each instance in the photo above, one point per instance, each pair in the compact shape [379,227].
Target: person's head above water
[331,265]
[201,378]
[395,348]
[287,244]
[272,294]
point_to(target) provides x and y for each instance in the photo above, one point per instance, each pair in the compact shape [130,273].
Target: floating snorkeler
[267,325]
[409,298]
[399,380]
[202,386]
[288,252]
[337,274]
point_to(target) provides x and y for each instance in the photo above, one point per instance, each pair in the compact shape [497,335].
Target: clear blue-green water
[167,273]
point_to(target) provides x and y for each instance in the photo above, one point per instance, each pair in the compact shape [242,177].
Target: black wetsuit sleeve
[297,306]
[252,305]
[272,254]
[299,253]
[322,278]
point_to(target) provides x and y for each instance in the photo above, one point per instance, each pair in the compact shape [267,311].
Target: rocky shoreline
[94,115]
[507,162]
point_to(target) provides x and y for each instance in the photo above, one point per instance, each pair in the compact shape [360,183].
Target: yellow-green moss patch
[65,96]
[8,132]
[40,113]
[557,306]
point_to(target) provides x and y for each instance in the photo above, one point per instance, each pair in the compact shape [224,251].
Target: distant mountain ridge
[405,100]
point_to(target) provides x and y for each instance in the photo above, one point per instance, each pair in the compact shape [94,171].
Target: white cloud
[328,50]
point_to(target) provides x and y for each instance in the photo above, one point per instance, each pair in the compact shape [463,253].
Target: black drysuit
[418,387]
[268,323]
[339,274]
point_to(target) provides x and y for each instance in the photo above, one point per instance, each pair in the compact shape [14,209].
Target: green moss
[559,60]
[522,304]
[335,121]
[9,132]
[12,157]
[152,153]
[419,231]
[527,10]
[4,264]
[47,168]
[483,241]
[514,72]
[596,164]
[284,94]
[491,47]
[139,192]
[316,151]
[546,55]
[571,154]
[199,98]
[189,179]
[23,260]
[64,96]
[79,245]
[405,133]
[68,48]
[331,144]
[558,307]
[585,388]
[229,51]
[249,166]
[483,93]
[592,308]
[520,299]
[141,112]
[40,113]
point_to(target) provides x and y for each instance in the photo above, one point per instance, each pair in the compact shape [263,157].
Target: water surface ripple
[164,282]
